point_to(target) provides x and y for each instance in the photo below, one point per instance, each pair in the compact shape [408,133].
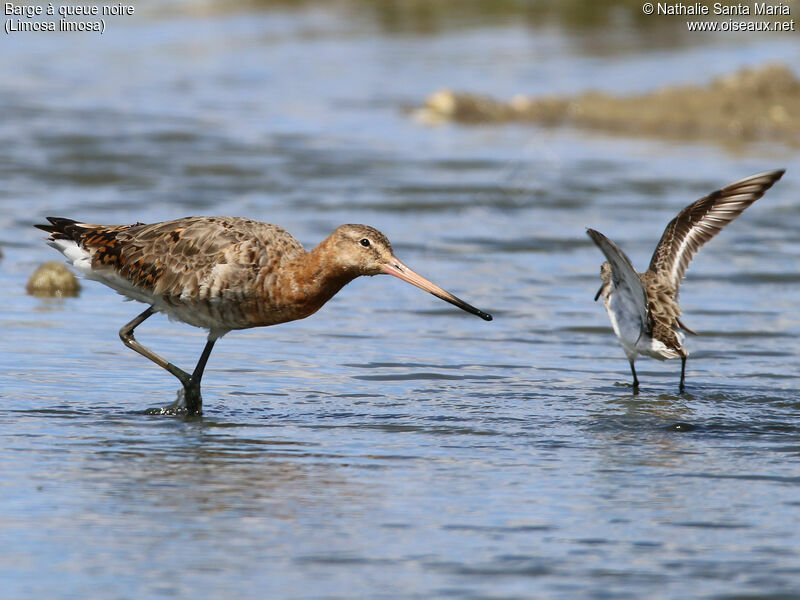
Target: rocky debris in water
[53,280]
[748,105]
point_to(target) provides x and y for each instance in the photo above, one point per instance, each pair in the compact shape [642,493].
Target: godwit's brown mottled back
[643,307]
[225,273]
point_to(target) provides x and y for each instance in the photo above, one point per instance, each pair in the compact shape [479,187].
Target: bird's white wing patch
[630,298]
[699,222]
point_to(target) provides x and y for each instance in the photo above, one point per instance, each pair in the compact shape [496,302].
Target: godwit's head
[367,251]
[605,275]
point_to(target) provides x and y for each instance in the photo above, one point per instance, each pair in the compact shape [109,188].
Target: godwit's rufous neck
[311,279]
[355,250]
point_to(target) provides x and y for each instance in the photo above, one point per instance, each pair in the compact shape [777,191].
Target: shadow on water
[707,413]
[191,466]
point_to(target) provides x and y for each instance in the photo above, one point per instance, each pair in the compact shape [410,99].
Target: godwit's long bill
[225,273]
[643,307]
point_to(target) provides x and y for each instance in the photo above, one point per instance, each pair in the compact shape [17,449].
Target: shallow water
[391,446]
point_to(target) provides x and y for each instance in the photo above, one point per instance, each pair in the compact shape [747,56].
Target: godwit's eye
[364,242]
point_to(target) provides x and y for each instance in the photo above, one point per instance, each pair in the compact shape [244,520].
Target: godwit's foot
[188,402]
[174,409]
[191,396]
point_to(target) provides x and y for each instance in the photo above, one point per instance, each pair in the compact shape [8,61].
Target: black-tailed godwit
[225,273]
[643,307]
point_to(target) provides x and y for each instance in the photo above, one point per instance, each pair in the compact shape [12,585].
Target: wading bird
[643,307]
[225,273]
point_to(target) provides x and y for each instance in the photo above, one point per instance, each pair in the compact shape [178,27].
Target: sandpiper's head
[365,251]
[605,272]
[605,275]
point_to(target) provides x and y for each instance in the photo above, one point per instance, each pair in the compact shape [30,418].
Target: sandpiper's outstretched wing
[629,288]
[702,220]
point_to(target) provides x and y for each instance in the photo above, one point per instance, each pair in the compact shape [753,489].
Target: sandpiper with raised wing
[643,307]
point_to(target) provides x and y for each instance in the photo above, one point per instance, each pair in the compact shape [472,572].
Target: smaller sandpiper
[643,307]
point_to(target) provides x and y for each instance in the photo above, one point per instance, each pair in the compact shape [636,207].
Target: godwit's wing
[701,221]
[194,258]
[629,291]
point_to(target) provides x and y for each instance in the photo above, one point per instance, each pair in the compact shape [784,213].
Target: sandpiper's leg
[635,379]
[682,387]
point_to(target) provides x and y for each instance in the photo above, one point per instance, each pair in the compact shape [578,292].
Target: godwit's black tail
[63,229]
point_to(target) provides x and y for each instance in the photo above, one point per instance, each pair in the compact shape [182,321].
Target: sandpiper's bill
[643,307]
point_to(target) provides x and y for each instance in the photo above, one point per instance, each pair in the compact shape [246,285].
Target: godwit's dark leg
[197,375]
[635,379]
[682,387]
[191,383]
[126,335]
[194,402]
